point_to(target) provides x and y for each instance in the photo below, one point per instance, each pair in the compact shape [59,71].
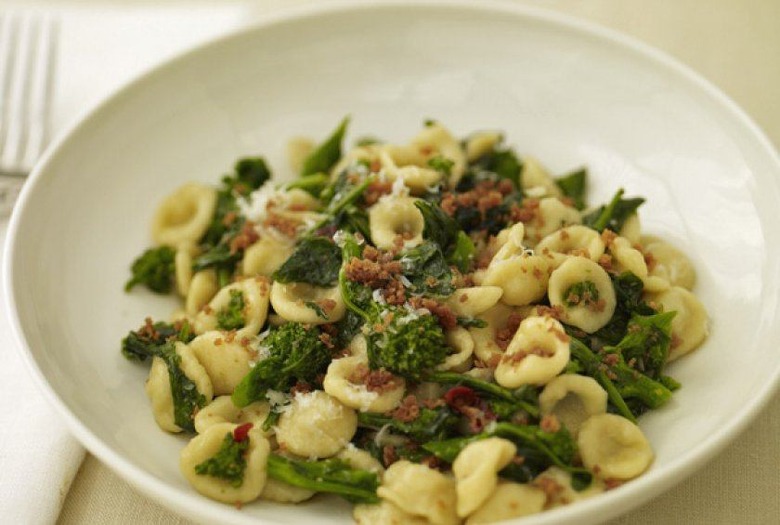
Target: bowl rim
[629,496]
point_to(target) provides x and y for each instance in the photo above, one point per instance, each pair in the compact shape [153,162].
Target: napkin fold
[38,457]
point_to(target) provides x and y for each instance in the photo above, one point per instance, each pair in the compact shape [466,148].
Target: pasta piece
[572,399]
[361,459]
[556,483]
[354,158]
[476,471]
[202,289]
[222,410]
[485,347]
[436,141]
[205,446]
[690,324]
[613,447]
[225,358]
[509,500]
[358,346]
[306,303]
[473,301]
[338,385]
[521,275]
[400,162]
[182,264]
[459,340]
[384,513]
[282,492]
[316,425]
[185,215]
[572,240]
[253,293]
[298,148]
[482,143]
[158,386]
[392,217]
[632,229]
[266,255]
[538,352]
[536,181]
[583,292]
[420,491]
[668,263]
[628,258]
[551,215]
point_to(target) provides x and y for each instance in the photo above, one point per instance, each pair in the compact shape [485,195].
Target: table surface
[731,42]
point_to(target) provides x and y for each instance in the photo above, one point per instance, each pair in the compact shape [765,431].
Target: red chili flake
[241,433]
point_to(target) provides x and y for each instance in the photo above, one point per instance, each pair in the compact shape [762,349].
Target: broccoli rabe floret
[333,476]
[294,353]
[154,269]
[407,344]
[147,341]
[228,463]
[231,317]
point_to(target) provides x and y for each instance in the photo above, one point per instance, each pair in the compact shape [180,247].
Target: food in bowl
[438,331]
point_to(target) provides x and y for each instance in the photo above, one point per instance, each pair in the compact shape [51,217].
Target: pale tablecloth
[733,43]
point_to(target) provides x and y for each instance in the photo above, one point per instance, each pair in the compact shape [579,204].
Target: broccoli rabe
[427,270]
[154,269]
[500,163]
[524,398]
[613,215]
[187,399]
[573,185]
[294,353]
[316,260]
[443,230]
[228,463]
[146,342]
[322,159]
[231,317]
[313,184]
[431,423]
[538,447]
[334,476]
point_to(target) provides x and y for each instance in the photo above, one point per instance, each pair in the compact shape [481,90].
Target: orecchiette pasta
[690,323]
[360,459]
[338,384]
[385,513]
[158,386]
[509,500]
[563,492]
[436,140]
[282,492]
[481,143]
[583,292]
[403,162]
[206,445]
[626,257]
[252,294]
[551,215]
[668,263]
[573,398]
[486,348]
[183,267]
[462,344]
[536,181]
[316,425]
[476,471]
[203,287]
[475,300]
[306,303]
[577,240]
[632,229]
[521,275]
[537,353]
[225,359]
[613,447]
[298,148]
[392,217]
[266,255]
[420,491]
[222,410]
[184,215]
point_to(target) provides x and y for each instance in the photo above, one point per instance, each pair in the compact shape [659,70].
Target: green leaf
[427,270]
[327,154]
[154,269]
[228,463]
[316,260]
[187,399]
[612,216]
[313,184]
[231,317]
[334,476]
[573,186]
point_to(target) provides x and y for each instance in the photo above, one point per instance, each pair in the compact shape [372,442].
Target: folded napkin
[38,456]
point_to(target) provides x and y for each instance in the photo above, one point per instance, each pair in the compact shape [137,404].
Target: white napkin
[38,457]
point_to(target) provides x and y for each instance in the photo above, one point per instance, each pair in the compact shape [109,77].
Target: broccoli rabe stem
[334,476]
[491,389]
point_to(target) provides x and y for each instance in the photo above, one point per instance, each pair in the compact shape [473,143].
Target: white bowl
[566,92]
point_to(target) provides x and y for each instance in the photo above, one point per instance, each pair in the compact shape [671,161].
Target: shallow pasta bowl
[566,92]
